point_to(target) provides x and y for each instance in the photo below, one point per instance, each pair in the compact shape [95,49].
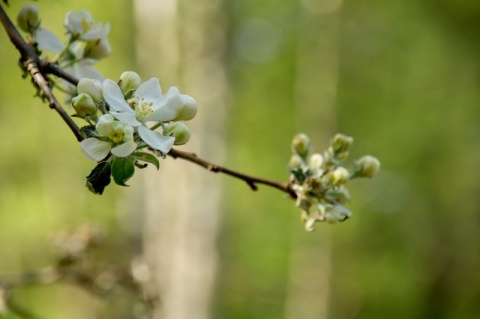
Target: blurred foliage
[407,91]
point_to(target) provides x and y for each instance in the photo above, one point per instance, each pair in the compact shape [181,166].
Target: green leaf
[147,158]
[88,131]
[299,175]
[99,178]
[123,169]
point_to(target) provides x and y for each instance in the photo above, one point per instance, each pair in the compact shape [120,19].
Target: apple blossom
[114,136]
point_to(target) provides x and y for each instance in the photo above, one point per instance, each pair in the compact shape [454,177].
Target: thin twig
[42,276]
[87,280]
[52,68]
[38,77]
[32,64]
[251,181]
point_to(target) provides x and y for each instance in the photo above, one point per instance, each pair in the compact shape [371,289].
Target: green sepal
[147,158]
[99,178]
[88,131]
[123,169]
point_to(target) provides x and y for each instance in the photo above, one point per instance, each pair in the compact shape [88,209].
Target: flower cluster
[319,181]
[86,41]
[123,120]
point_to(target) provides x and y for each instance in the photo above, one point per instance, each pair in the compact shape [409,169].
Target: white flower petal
[127,118]
[150,90]
[97,31]
[73,20]
[83,69]
[114,97]
[95,149]
[172,107]
[47,40]
[104,124]
[125,149]
[156,140]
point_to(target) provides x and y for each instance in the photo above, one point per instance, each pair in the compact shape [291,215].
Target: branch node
[213,168]
[252,185]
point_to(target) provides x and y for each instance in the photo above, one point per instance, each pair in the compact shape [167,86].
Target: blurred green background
[402,78]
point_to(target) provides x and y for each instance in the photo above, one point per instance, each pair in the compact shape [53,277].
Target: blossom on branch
[148,104]
[113,136]
[81,25]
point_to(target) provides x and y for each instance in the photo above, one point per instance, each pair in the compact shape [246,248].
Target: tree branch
[32,64]
[252,181]
[52,68]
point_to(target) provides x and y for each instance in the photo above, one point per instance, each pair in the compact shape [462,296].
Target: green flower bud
[301,145]
[91,87]
[28,19]
[341,143]
[189,109]
[316,162]
[129,82]
[367,166]
[97,49]
[339,176]
[84,105]
[295,163]
[180,131]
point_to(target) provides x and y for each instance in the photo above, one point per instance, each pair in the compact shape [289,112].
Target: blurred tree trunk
[316,85]
[183,45]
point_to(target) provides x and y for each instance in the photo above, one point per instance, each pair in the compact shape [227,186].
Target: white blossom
[147,104]
[80,24]
[115,137]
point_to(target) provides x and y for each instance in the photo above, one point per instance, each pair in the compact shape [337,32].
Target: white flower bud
[339,176]
[129,82]
[180,131]
[367,166]
[189,109]
[91,87]
[316,162]
[97,49]
[84,105]
[28,19]
[301,145]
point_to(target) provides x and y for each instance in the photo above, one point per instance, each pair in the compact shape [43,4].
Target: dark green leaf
[123,169]
[147,158]
[299,175]
[87,131]
[99,178]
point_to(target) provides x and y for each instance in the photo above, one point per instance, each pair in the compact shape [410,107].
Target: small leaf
[299,175]
[123,169]
[99,178]
[88,131]
[147,157]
